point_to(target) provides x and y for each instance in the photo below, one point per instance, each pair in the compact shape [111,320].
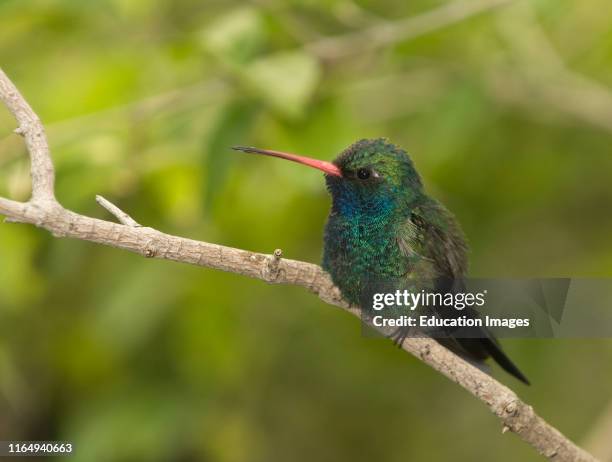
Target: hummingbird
[383,225]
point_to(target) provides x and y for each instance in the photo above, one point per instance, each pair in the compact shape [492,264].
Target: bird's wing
[435,248]
[432,240]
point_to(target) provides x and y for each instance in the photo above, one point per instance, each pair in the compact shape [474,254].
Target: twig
[380,35]
[123,217]
[43,174]
[45,212]
[551,83]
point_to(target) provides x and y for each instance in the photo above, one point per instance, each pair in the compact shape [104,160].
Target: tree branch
[386,33]
[44,211]
[550,83]
[43,173]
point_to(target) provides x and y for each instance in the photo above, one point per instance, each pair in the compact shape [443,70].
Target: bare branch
[44,211]
[43,174]
[123,217]
[550,84]
[380,35]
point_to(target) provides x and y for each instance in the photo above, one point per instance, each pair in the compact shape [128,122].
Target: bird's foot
[398,336]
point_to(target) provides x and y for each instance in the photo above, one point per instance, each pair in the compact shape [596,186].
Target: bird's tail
[476,350]
[500,357]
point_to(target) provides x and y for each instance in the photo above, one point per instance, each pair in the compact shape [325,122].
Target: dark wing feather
[433,241]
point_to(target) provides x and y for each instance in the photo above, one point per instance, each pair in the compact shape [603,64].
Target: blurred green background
[507,115]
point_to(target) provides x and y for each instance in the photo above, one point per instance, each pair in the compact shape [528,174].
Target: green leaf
[287,80]
[236,37]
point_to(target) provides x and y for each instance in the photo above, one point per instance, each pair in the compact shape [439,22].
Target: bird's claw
[398,336]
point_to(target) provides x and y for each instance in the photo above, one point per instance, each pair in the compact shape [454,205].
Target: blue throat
[360,239]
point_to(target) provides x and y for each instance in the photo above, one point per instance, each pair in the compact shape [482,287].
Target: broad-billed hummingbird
[383,225]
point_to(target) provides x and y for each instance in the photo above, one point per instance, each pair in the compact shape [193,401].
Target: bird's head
[371,176]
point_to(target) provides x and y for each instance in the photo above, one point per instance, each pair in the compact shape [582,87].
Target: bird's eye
[363,174]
